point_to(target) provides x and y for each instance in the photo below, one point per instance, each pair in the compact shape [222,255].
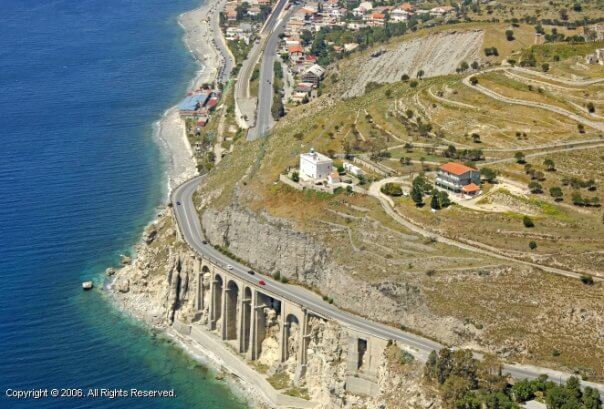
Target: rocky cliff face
[271,244]
[156,287]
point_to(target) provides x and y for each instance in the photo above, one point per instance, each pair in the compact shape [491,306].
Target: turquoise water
[81,84]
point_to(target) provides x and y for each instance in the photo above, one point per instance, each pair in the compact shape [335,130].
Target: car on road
[178,203]
[261,282]
[251,272]
[205,242]
[229,267]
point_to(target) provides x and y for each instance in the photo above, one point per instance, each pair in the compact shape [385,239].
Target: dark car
[205,242]
[252,272]
[178,203]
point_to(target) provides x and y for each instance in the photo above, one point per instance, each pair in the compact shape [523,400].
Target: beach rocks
[110,271]
[150,234]
[123,285]
[125,260]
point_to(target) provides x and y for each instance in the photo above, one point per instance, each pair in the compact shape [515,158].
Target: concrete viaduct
[237,311]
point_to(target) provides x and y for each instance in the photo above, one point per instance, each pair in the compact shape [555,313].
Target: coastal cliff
[158,287]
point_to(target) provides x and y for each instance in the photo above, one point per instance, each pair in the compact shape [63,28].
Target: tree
[417,196]
[463,66]
[413,84]
[591,397]
[509,35]
[489,174]
[443,199]
[545,67]
[591,107]
[523,390]
[533,245]
[520,158]
[528,222]
[409,113]
[559,397]
[405,77]
[473,80]
[296,177]
[475,137]
[535,187]
[475,65]
[587,279]
[420,74]
[549,165]
[434,202]
[556,193]
[581,128]
[392,189]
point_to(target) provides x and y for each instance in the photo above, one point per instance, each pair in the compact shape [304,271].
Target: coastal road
[264,116]
[245,103]
[190,228]
[227,63]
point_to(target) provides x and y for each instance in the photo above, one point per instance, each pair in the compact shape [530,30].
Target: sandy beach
[170,130]
[199,38]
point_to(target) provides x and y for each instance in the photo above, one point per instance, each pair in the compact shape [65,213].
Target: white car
[229,267]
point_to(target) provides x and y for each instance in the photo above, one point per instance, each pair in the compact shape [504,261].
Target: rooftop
[315,156]
[193,102]
[471,188]
[456,168]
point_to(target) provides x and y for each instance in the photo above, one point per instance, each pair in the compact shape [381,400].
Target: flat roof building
[314,165]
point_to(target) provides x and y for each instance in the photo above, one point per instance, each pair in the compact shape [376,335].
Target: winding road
[190,228]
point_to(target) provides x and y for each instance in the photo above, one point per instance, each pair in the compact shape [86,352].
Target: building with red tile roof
[458,177]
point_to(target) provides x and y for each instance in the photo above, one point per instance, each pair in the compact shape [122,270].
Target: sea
[81,84]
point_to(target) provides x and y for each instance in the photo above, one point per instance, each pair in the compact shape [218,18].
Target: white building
[314,165]
[352,169]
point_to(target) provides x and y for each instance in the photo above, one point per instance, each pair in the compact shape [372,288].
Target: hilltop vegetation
[347,247]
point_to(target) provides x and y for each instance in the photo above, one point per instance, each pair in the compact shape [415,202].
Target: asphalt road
[227,63]
[264,116]
[190,228]
[242,87]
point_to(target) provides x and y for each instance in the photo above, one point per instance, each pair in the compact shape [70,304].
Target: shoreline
[177,154]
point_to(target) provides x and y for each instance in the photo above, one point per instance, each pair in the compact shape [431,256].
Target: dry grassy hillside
[358,255]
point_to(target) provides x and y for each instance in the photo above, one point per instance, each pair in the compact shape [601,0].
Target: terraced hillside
[464,275]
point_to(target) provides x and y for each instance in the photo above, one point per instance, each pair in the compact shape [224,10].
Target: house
[408,7]
[458,177]
[231,15]
[353,170]
[254,11]
[333,178]
[314,74]
[441,11]
[315,166]
[193,104]
[399,14]
[596,58]
[367,5]
[375,19]
[296,54]
[305,87]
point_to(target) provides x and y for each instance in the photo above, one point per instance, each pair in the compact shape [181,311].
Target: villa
[458,177]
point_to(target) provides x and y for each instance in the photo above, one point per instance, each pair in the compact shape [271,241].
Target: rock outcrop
[435,54]
[277,246]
